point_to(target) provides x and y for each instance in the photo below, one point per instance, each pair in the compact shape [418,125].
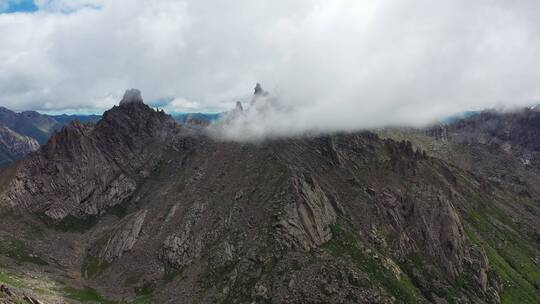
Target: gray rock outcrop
[131,96]
[14,145]
[183,247]
[306,222]
[122,237]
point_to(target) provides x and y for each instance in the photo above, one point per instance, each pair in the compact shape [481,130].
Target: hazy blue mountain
[466,114]
[29,123]
[65,119]
[209,117]
[39,126]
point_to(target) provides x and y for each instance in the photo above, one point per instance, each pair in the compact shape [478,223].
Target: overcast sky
[341,64]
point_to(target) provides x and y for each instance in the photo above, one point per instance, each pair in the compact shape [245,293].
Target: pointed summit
[132,96]
[259,91]
[258,94]
[239,108]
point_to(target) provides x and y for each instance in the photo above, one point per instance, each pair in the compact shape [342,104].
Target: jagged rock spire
[259,90]
[239,107]
[258,93]
[132,96]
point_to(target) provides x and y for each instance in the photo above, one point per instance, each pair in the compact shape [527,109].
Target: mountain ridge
[179,216]
[14,146]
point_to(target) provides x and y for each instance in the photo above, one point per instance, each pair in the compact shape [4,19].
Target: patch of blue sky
[29,6]
[17,6]
[69,10]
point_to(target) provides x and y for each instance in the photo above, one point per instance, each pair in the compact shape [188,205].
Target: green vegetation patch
[92,267]
[70,223]
[86,295]
[18,250]
[511,254]
[345,243]
[517,276]
[90,295]
[432,281]
[44,286]
[12,281]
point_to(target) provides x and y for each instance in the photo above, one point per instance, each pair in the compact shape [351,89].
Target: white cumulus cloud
[334,64]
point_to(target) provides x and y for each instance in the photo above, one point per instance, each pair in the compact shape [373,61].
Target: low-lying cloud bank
[331,65]
[266,116]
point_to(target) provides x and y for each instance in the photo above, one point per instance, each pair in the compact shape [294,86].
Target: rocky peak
[239,107]
[93,166]
[6,110]
[259,91]
[135,124]
[133,115]
[237,111]
[131,96]
[260,96]
[67,142]
[31,114]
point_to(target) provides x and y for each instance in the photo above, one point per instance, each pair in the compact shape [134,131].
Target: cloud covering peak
[331,65]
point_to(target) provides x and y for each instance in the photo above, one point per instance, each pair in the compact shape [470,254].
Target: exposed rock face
[503,147]
[439,132]
[8,296]
[433,227]
[183,247]
[86,168]
[306,220]
[258,90]
[131,96]
[14,146]
[122,237]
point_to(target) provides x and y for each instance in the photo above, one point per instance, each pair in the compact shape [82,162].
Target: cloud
[333,64]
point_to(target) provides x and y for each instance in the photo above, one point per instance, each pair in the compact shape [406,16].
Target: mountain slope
[29,123]
[145,210]
[500,148]
[65,119]
[86,168]
[14,146]
[39,126]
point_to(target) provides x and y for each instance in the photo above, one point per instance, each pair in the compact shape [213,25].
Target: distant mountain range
[65,119]
[39,126]
[29,123]
[23,132]
[208,117]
